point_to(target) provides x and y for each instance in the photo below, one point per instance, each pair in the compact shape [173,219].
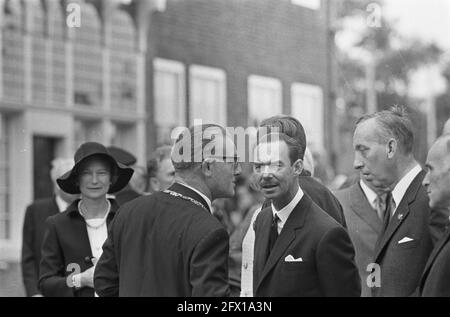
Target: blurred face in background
[437,179]
[164,177]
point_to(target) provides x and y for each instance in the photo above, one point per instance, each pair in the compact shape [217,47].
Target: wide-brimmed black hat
[122,156]
[68,182]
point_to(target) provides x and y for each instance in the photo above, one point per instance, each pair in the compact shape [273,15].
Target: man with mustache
[242,247]
[299,249]
[383,144]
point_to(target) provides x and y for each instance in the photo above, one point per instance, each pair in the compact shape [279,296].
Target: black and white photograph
[237,151]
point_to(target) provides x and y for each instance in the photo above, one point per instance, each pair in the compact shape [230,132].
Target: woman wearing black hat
[73,241]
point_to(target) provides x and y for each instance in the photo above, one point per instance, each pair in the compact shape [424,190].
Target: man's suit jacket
[325,256]
[33,234]
[125,195]
[402,264]
[66,245]
[321,195]
[163,245]
[435,281]
[364,226]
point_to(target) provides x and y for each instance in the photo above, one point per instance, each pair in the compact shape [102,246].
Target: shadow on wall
[11,280]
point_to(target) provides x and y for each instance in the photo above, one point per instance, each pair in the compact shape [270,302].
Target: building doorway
[44,153]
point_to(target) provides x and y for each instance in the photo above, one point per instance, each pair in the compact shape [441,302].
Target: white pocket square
[290,258]
[404,240]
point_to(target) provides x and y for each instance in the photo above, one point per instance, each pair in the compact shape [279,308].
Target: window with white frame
[310,4]
[207,98]
[264,98]
[169,97]
[307,107]
[5,212]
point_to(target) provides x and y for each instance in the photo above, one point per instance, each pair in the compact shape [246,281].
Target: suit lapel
[363,209]
[434,255]
[400,215]
[295,221]
[80,230]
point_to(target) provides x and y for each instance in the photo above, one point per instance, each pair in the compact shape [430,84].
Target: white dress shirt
[370,194]
[284,213]
[402,186]
[62,204]
[248,244]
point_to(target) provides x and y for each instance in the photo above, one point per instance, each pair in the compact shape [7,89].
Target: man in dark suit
[436,276]
[321,195]
[126,158]
[383,144]
[363,224]
[34,226]
[299,249]
[169,243]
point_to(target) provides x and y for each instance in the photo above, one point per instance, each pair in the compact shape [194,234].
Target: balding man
[34,225]
[436,276]
[383,144]
[169,243]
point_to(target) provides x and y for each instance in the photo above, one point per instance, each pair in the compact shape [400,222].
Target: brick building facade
[254,58]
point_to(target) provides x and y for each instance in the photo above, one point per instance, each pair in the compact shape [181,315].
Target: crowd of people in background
[264,228]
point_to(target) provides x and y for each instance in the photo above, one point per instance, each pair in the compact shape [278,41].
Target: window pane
[307,107]
[264,98]
[208,95]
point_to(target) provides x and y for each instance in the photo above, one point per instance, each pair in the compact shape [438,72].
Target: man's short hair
[60,166]
[159,155]
[195,139]
[393,123]
[289,126]
[294,147]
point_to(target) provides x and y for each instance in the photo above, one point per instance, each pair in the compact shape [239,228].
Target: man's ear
[391,148]
[154,184]
[298,167]
[206,167]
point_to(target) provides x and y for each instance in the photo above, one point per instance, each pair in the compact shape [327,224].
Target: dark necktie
[380,204]
[273,235]
[390,205]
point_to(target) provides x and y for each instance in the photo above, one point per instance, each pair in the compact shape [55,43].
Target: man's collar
[402,186]
[369,193]
[61,203]
[202,198]
[284,212]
